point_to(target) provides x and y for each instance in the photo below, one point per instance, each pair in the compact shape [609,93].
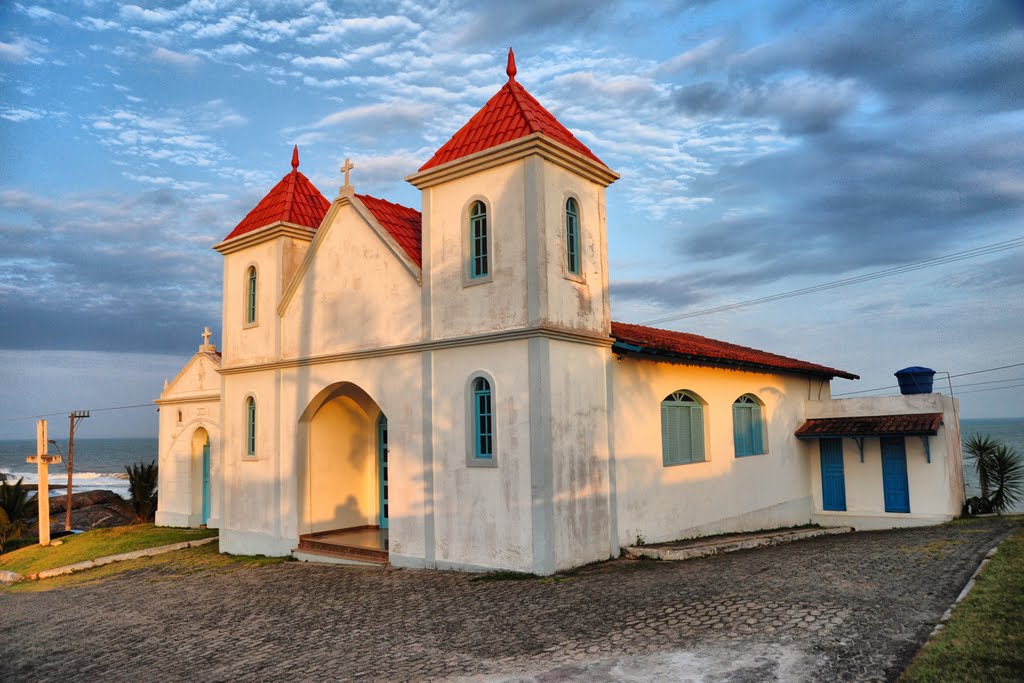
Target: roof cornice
[268,232]
[535,143]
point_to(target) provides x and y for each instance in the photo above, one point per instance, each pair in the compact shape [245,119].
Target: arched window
[250,426]
[483,420]
[682,429]
[572,236]
[250,298]
[479,261]
[747,428]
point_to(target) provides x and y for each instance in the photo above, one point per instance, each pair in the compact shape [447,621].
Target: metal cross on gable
[346,168]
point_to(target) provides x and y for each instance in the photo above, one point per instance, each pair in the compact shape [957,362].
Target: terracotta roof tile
[293,200]
[512,113]
[874,425]
[683,344]
[404,224]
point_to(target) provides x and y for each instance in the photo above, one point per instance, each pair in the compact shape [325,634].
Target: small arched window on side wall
[481,428]
[572,236]
[747,427]
[250,426]
[479,247]
[250,296]
[682,429]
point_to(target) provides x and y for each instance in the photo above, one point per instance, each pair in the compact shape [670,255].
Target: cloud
[18,114]
[337,29]
[162,54]
[22,51]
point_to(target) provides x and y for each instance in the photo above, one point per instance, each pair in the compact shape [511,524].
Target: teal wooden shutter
[740,429]
[757,429]
[696,433]
[670,445]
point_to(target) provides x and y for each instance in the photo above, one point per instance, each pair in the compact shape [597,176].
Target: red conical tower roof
[511,114]
[293,200]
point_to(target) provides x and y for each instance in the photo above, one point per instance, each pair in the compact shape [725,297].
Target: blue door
[382,468]
[894,475]
[206,481]
[833,480]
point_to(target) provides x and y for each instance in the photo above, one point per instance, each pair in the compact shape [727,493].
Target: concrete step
[702,547]
[316,550]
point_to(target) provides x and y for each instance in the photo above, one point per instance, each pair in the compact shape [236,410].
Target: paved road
[849,607]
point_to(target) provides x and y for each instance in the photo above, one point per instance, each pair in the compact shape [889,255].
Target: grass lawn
[95,544]
[165,567]
[984,641]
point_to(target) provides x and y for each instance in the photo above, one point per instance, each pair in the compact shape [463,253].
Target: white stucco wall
[725,493]
[936,487]
[460,306]
[354,294]
[482,515]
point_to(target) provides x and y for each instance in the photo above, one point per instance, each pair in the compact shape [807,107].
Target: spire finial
[511,68]
[295,158]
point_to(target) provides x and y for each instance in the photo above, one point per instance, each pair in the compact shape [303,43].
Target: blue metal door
[833,480]
[206,481]
[382,468]
[894,475]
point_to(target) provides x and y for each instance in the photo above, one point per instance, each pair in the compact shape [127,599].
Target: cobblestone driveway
[851,607]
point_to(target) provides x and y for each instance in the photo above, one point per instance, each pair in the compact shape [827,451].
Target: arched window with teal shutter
[479,247]
[572,236]
[747,427]
[250,295]
[682,429]
[483,420]
[250,426]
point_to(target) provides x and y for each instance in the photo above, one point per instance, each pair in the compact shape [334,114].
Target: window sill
[482,462]
[473,281]
[683,464]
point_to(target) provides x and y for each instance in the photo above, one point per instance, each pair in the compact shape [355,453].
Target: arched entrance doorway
[342,487]
[201,495]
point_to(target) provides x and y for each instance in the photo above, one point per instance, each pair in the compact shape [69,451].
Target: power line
[857,279]
[978,391]
[962,374]
[65,412]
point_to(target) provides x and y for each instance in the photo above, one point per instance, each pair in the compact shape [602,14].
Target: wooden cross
[346,168]
[43,461]
[206,336]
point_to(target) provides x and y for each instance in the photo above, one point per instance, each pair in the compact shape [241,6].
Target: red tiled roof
[683,344]
[511,114]
[404,224]
[293,200]
[875,425]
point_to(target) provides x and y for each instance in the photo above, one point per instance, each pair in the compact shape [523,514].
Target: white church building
[445,387]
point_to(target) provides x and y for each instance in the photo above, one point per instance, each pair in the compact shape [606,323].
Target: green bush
[142,490]
[1000,474]
[16,505]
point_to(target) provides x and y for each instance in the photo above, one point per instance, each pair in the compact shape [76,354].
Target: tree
[15,504]
[142,489]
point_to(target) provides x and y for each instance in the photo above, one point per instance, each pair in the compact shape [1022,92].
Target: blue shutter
[670,446]
[741,429]
[757,430]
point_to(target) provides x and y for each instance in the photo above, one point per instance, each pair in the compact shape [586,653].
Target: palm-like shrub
[142,485]
[15,507]
[1000,472]
[1006,477]
[980,447]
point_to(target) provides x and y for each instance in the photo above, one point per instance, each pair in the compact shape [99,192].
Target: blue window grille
[747,427]
[250,311]
[479,265]
[250,426]
[483,420]
[572,236]
[682,429]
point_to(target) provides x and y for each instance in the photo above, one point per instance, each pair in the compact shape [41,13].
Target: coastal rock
[84,499]
[7,578]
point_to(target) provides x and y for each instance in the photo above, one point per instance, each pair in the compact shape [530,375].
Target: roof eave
[535,143]
[663,354]
[269,231]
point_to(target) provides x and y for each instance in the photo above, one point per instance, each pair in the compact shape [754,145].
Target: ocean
[99,463]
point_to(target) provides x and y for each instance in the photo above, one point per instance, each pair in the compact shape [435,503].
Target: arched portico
[342,473]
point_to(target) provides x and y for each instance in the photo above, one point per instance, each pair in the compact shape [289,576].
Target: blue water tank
[915,380]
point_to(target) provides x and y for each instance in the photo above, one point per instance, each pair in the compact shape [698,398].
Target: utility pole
[74,418]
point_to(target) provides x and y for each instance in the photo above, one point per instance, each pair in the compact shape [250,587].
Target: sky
[764,147]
